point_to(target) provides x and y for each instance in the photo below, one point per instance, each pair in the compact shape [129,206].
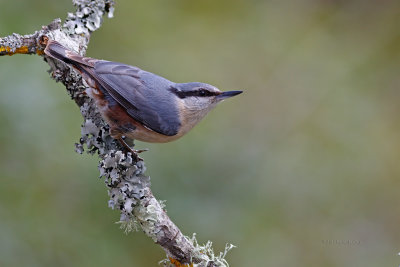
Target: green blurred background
[300,170]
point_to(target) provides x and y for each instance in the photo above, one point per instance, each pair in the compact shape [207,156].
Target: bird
[137,104]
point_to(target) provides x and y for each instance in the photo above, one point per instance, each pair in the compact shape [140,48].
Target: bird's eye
[202,92]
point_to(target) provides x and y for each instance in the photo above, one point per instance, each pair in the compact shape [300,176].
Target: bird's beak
[227,94]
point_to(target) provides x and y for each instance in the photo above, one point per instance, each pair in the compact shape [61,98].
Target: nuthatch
[138,104]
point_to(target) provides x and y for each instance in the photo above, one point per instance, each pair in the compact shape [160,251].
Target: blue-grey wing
[139,95]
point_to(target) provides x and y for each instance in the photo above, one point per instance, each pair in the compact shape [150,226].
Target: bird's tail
[56,50]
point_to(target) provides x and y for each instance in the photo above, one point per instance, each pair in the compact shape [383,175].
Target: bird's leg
[117,134]
[129,149]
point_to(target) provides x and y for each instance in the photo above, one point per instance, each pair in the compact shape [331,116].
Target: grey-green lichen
[88,17]
[14,41]
[10,44]
[206,254]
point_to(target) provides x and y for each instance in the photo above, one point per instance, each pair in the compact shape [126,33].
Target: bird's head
[197,99]
[200,96]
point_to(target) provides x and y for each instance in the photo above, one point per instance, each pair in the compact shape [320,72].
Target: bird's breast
[122,124]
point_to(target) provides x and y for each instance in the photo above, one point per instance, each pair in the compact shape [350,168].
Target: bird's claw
[140,150]
[136,152]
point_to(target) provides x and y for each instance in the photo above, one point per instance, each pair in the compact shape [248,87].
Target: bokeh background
[300,170]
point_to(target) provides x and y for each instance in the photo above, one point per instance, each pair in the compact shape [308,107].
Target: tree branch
[128,187]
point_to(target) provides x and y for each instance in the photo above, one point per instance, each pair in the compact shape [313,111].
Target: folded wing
[145,103]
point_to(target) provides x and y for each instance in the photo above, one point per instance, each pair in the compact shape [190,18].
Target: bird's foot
[130,149]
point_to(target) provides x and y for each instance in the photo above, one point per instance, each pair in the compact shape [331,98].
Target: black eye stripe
[198,92]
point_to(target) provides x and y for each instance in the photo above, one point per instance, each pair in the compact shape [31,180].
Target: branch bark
[128,186]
